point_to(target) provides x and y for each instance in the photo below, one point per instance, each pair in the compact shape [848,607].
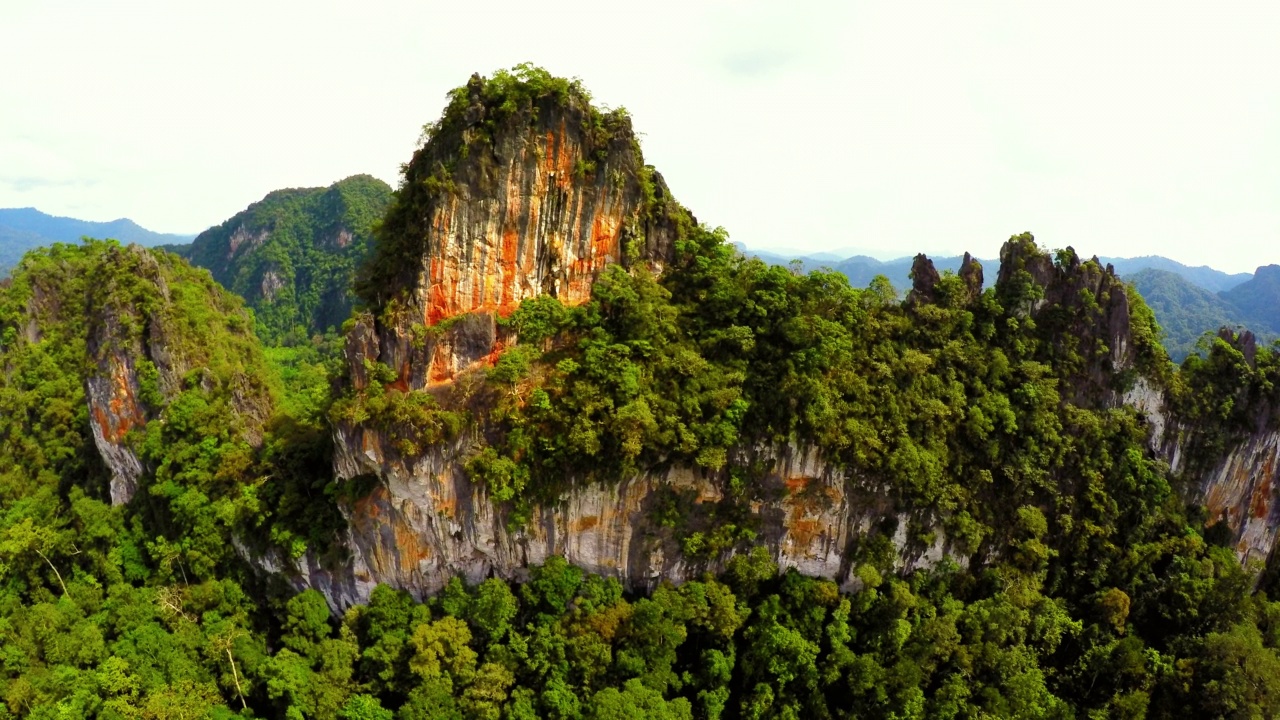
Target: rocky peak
[924,279]
[1081,309]
[522,189]
[971,275]
[1244,341]
[1025,271]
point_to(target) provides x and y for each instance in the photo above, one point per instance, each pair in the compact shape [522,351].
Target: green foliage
[293,255]
[1088,592]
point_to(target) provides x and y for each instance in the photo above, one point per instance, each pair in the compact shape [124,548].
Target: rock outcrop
[924,281]
[136,322]
[971,276]
[501,206]
[426,522]
[1080,308]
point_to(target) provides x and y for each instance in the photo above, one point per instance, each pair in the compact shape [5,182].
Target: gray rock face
[425,522]
[1240,489]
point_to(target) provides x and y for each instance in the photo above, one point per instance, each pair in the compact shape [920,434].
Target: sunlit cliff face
[547,231]
[492,213]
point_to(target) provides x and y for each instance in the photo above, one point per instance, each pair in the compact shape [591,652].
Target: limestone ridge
[521,190]
[426,521]
[1082,312]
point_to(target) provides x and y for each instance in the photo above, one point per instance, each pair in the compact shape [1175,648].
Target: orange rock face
[538,205]
[121,412]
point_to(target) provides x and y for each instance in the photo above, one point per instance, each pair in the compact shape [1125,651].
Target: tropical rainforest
[1084,581]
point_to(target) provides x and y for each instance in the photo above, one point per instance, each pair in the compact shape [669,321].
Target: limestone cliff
[426,521]
[139,327]
[513,196]
[1231,469]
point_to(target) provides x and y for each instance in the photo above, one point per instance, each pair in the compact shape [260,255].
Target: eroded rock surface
[426,522]
[497,210]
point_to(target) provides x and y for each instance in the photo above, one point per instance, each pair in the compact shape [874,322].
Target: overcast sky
[887,128]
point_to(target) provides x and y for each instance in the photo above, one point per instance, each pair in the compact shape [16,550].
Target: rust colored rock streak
[113,412]
[1240,492]
[544,232]
[539,208]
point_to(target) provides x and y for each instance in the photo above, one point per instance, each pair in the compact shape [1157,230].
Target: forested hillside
[1186,312]
[293,254]
[175,506]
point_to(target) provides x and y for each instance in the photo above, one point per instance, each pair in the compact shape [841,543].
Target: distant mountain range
[22,229]
[315,226]
[1201,276]
[1188,301]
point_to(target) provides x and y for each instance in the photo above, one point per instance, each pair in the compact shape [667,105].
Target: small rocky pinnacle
[924,279]
[971,275]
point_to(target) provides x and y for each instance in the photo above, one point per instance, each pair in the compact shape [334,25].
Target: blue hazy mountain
[1202,275]
[22,229]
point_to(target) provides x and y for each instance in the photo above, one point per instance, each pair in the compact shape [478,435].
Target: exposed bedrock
[426,522]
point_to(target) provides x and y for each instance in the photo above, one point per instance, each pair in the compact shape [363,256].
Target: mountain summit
[522,189]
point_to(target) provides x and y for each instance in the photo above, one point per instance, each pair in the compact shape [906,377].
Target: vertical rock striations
[523,189]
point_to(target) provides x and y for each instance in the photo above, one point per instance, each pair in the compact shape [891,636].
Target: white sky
[887,128]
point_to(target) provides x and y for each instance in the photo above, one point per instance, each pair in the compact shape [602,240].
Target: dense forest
[1081,584]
